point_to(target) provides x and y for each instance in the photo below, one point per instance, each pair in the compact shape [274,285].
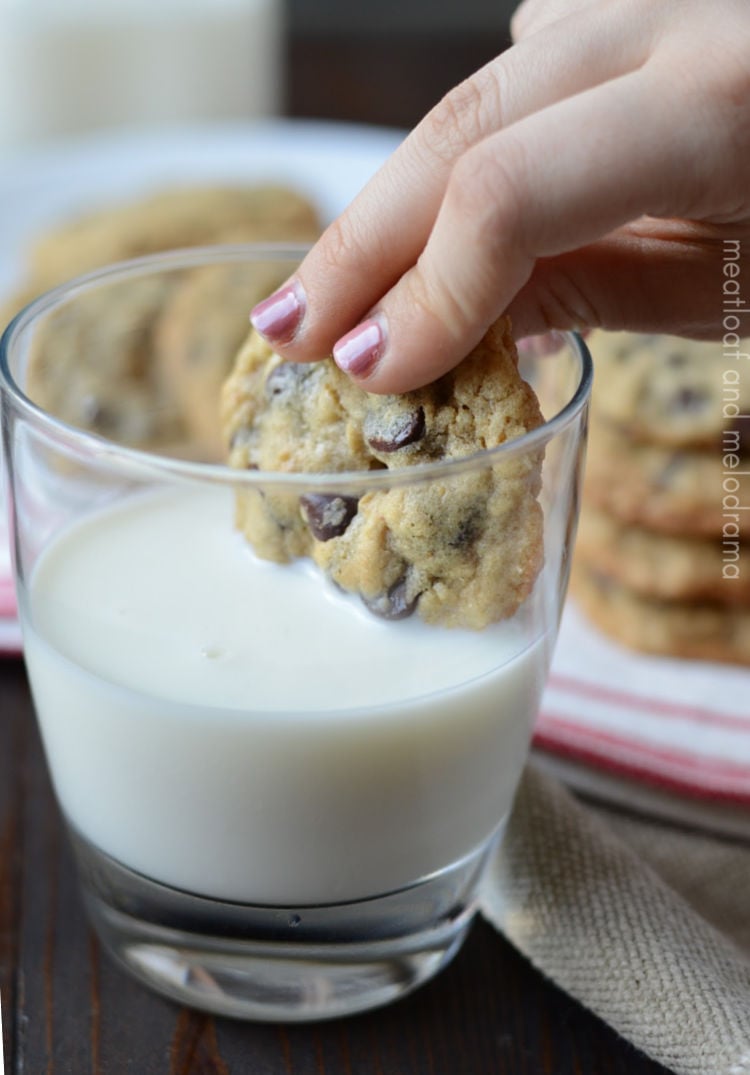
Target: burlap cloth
[647,925]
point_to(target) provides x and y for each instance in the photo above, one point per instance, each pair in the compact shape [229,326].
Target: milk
[243,730]
[68,66]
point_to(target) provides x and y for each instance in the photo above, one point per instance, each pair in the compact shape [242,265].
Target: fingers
[553,182]
[534,15]
[652,276]
[383,233]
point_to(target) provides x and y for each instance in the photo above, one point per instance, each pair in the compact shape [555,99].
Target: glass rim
[147,463]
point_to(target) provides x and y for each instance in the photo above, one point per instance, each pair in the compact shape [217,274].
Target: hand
[587,176]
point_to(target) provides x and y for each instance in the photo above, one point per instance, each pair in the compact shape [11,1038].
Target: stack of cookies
[663,553]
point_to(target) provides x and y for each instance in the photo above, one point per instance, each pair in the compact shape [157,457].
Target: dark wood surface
[381,79]
[68,1011]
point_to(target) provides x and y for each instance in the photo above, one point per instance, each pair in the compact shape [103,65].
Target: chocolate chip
[286,378]
[98,416]
[670,472]
[468,531]
[394,604]
[690,399]
[328,516]
[396,433]
[604,583]
[676,359]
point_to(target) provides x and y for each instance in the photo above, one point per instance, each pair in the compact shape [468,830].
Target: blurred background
[72,66]
[425,48]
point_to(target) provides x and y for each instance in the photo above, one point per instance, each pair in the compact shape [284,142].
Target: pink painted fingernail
[278,317]
[359,351]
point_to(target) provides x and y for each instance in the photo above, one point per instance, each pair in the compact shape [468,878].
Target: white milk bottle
[70,66]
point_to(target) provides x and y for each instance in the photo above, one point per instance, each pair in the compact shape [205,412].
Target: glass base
[279,964]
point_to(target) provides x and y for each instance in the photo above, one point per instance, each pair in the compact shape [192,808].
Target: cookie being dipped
[460,551]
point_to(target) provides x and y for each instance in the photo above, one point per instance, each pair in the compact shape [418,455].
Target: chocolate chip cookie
[463,549]
[667,489]
[103,366]
[662,565]
[92,364]
[198,336]
[698,629]
[671,391]
[168,220]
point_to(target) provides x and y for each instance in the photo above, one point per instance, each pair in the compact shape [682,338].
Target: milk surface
[242,730]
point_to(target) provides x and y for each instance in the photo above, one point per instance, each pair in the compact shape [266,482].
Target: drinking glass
[281,804]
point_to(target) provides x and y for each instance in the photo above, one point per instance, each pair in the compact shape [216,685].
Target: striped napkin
[10,634]
[645,924]
[668,736]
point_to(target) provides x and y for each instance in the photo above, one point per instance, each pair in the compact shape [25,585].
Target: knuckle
[563,303]
[434,299]
[452,125]
[464,116]
[341,245]
[486,193]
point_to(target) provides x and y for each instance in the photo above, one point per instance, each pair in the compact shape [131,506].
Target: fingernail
[359,351]
[278,317]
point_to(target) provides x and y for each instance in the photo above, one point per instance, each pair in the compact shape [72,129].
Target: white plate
[329,162]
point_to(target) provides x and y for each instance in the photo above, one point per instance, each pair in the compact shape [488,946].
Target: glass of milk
[281,804]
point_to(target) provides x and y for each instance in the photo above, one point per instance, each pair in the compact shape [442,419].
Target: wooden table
[68,1011]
